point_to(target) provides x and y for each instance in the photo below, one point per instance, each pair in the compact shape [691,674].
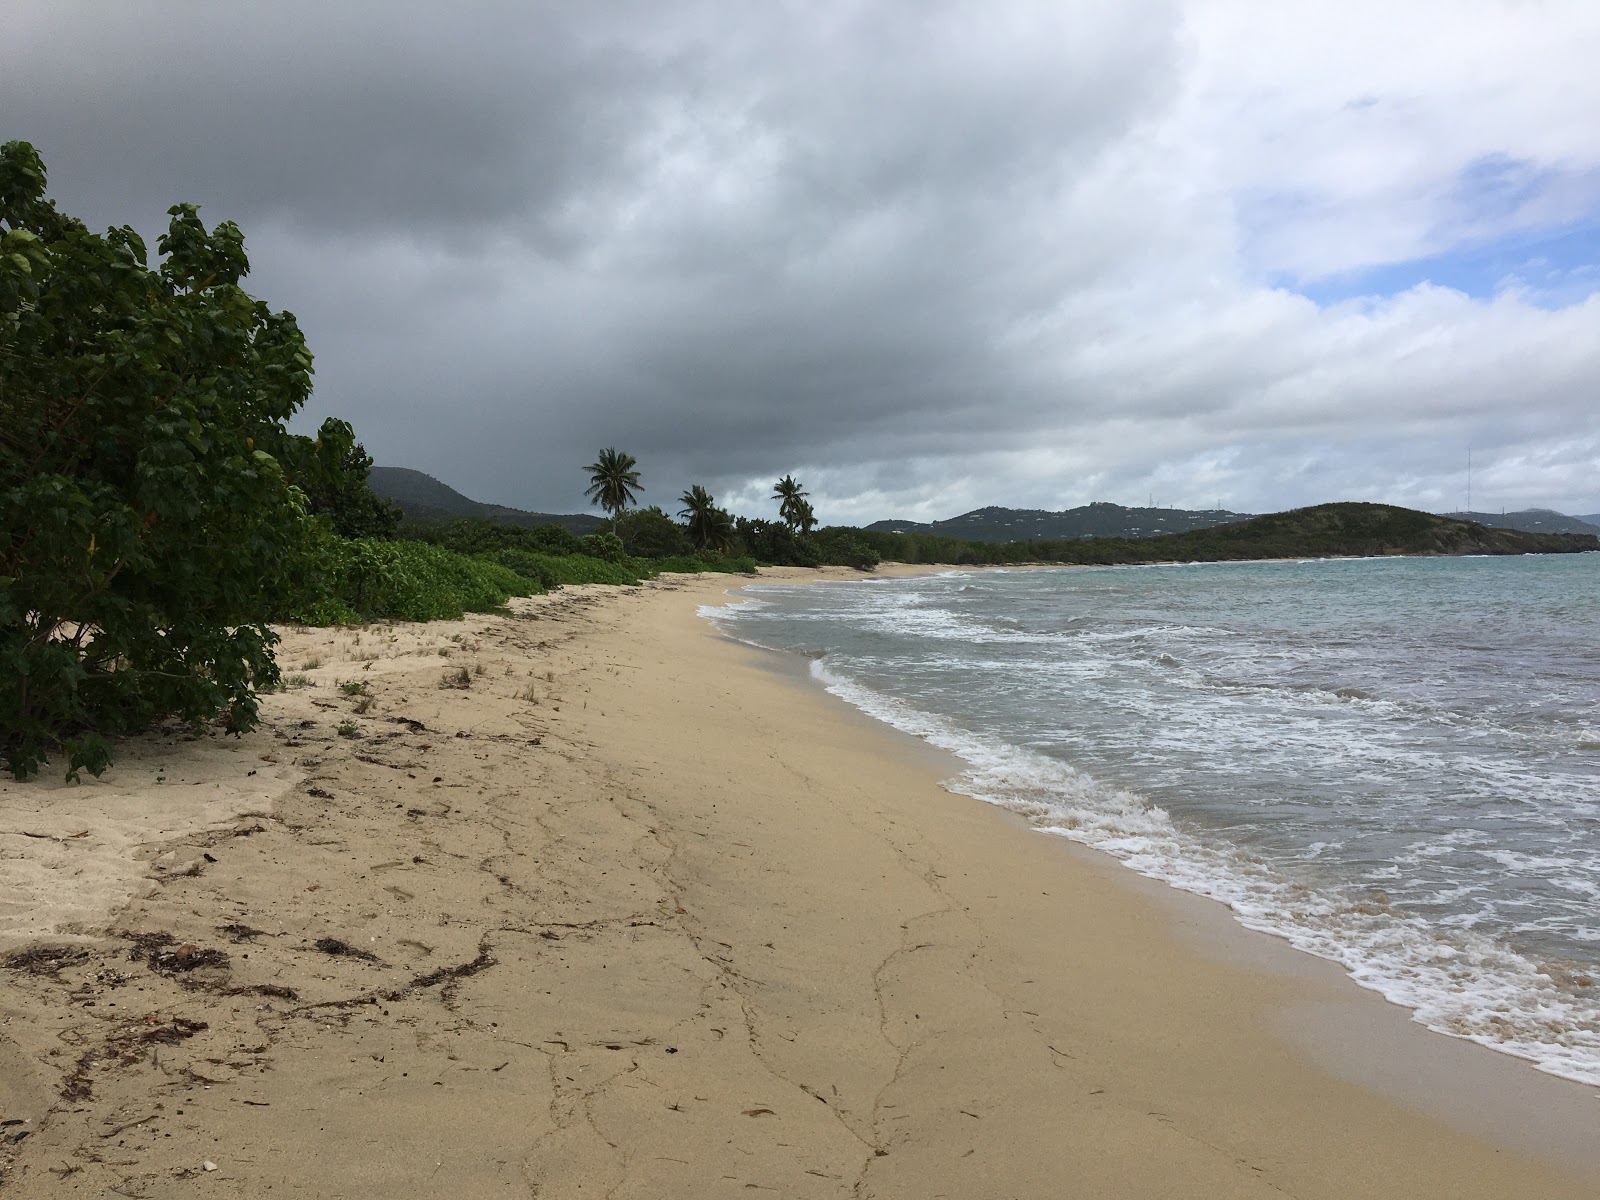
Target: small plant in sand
[311,664]
[353,687]
[348,729]
[362,704]
[298,680]
[529,694]
[460,677]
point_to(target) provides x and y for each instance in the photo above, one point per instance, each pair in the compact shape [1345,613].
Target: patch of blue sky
[1551,268]
[1498,188]
[1508,223]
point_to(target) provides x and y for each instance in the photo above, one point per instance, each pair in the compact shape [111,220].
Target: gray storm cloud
[926,257]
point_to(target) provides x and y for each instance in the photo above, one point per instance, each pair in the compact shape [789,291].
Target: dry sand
[631,910]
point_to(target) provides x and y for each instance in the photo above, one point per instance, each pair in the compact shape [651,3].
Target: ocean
[1391,763]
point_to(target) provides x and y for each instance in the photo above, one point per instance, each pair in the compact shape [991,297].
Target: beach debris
[759,1112]
[274,990]
[240,933]
[162,952]
[448,976]
[453,974]
[44,960]
[209,1165]
[126,1047]
[341,949]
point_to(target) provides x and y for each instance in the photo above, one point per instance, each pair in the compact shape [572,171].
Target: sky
[924,256]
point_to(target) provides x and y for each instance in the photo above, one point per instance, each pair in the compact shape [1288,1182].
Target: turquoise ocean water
[1392,763]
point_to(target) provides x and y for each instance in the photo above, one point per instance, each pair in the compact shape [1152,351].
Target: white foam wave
[1456,981]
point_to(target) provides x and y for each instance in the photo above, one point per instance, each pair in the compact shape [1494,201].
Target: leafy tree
[552,539]
[847,548]
[793,501]
[710,527]
[650,533]
[332,471]
[147,525]
[774,542]
[613,483]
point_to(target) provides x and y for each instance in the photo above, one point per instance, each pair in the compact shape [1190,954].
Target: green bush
[147,526]
[774,542]
[581,568]
[407,581]
[650,533]
[845,547]
[603,545]
[527,564]
[549,539]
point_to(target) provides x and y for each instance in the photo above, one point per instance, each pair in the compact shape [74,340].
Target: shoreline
[1352,1031]
[649,916]
[904,716]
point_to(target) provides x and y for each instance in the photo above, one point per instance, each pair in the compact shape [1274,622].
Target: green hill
[1322,531]
[424,498]
[1334,531]
[994,524]
[1532,520]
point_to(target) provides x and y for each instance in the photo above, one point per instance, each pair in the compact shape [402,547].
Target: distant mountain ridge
[423,498]
[1533,520]
[1348,529]
[995,524]
[1361,529]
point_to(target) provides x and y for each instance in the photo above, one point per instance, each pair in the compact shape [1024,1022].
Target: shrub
[650,533]
[407,581]
[550,539]
[527,564]
[775,543]
[332,470]
[580,568]
[603,545]
[844,547]
[147,527]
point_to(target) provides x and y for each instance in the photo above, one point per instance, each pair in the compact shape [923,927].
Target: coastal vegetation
[150,518]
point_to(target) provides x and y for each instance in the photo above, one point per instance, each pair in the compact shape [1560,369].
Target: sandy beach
[588,900]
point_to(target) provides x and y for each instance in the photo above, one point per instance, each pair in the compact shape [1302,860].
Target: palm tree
[613,483]
[804,517]
[788,491]
[710,526]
